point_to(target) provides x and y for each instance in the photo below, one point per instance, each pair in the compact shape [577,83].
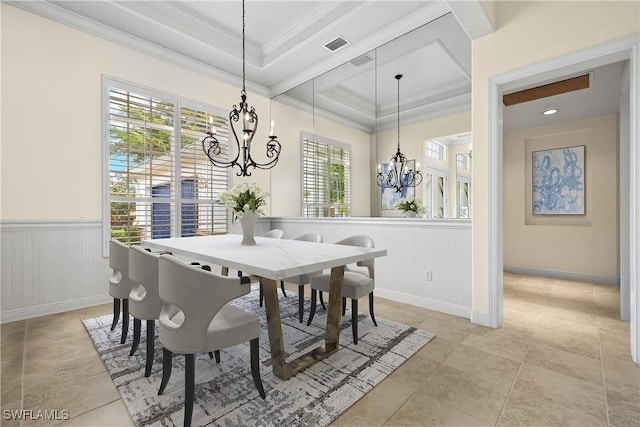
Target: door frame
[617,50]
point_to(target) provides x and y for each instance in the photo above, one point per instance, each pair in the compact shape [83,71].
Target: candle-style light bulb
[273,125]
[211,124]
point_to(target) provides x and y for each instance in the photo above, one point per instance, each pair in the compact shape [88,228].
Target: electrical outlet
[429,275]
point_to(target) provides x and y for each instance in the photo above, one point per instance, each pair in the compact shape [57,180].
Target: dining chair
[358,281]
[196,318]
[144,298]
[119,284]
[302,279]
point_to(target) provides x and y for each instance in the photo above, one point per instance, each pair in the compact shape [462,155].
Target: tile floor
[561,359]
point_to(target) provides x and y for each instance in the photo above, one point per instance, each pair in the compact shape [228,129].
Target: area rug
[225,394]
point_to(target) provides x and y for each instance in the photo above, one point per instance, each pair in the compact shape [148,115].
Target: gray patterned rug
[225,394]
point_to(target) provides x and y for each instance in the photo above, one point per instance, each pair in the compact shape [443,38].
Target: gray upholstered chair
[274,234]
[358,282]
[119,284]
[196,318]
[303,279]
[144,298]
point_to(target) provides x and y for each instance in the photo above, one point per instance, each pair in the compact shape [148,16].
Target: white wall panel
[50,267]
[414,246]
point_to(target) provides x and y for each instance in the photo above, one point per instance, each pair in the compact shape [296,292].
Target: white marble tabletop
[270,258]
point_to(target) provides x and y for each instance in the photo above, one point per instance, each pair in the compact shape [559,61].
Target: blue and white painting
[558,181]
[389,195]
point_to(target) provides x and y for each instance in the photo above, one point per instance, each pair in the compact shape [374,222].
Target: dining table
[272,260]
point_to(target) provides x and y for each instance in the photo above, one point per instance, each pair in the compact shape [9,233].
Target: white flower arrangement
[410,204]
[245,197]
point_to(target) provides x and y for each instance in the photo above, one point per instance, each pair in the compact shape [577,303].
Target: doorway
[625,49]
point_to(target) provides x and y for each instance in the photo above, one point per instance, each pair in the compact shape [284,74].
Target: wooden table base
[282,368]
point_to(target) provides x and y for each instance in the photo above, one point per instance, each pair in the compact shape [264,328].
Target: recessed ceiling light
[550,112]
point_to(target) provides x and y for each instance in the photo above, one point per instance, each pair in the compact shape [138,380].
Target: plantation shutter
[326,178]
[156,190]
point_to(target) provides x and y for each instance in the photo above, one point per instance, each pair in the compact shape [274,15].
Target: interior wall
[583,244]
[52,110]
[547,30]
[412,144]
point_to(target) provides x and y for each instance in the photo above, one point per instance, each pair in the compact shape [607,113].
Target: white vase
[248,222]
[410,214]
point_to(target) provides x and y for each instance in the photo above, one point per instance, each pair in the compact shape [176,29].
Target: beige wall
[528,33]
[584,244]
[52,109]
[412,143]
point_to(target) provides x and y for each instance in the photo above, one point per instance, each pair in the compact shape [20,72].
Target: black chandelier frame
[246,116]
[399,176]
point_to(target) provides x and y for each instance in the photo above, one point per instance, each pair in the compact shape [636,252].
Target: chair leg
[322,301]
[344,305]
[354,320]
[261,293]
[217,355]
[312,312]
[189,386]
[255,366]
[167,357]
[125,320]
[137,325]
[116,313]
[282,288]
[301,303]
[371,309]
[151,339]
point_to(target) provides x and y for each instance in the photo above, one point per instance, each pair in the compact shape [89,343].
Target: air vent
[361,60]
[336,44]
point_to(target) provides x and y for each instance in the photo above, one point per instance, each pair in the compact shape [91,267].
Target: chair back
[191,297]
[144,298]
[274,234]
[310,237]
[119,283]
[364,242]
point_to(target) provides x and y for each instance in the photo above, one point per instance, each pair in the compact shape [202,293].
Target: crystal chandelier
[399,175]
[242,119]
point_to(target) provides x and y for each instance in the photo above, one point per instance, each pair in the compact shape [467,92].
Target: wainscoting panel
[50,267]
[416,250]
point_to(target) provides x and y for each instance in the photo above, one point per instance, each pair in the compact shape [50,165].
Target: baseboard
[444,307]
[481,319]
[562,275]
[59,307]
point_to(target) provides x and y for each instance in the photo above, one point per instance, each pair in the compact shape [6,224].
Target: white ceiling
[284,45]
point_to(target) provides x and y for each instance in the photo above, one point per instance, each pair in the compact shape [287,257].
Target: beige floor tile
[377,406]
[563,362]
[438,349]
[523,412]
[415,371]
[69,393]
[560,396]
[622,375]
[406,317]
[423,410]
[488,370]
[583,345]
[582,317]
[573,285]
[501,342]
[457,388]
[578,330]
[454,329]
[114,414]
[49,353]
[624,410]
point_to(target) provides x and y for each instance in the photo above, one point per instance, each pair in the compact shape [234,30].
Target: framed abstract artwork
[558,184]
[389,195]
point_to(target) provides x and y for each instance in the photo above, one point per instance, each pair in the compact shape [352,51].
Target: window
[159,182]
[435,150]
[462,161]
[326,177]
